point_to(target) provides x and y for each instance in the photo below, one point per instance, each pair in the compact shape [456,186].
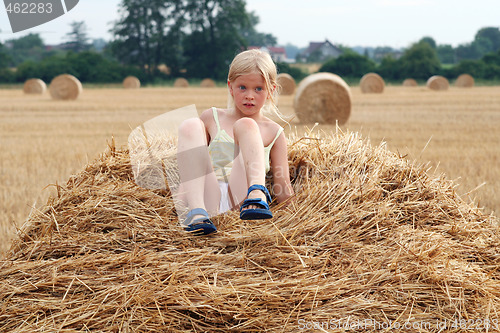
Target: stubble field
[43,141]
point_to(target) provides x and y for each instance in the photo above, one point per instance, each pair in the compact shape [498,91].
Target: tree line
[195,39]
[198,39]
[420,61]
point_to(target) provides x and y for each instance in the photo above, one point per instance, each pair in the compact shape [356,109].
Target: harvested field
[372,235]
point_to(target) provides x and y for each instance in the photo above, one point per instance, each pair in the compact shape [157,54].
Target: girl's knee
[190,127]
[245,124]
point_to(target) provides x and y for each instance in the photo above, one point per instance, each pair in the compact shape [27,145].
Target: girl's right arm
[208,120]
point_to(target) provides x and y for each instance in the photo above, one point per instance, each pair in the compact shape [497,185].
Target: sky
[393,23]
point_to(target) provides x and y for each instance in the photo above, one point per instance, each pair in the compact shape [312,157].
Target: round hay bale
[207,83]
[464,81]
[323,98]
[372,83]
[410,83]
[34,86]
[438,82]
[181,83]
[287,84]
[131,82]
[65,87]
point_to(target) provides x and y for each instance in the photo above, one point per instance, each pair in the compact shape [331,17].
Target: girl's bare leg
[249,166]
[199,187]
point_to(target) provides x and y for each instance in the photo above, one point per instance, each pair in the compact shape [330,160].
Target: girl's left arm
[282,187]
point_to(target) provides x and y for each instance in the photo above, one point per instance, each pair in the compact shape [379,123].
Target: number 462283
[29,8]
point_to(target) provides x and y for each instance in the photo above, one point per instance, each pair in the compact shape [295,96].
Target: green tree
[486,40]
[489,36]
[88,66]
[492,58]
[148,34]
[216,36]
[29,47]
[446,54]
[492,62]
[420,61]
[4,57]
[349,64]
[5,74]
[390,68]
[430,41]
[196,38]
[472,67]
[468,51]
[77,39]
[46,69]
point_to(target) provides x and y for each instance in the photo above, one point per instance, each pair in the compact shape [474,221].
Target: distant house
[320,51]
[278,54]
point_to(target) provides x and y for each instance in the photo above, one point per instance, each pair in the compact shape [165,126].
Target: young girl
[224,155]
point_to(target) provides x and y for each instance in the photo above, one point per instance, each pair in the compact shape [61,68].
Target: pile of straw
[287,84]
[410,83]
[65,87]
[465,81]
[371,239]
[323,98]
[181,83]
[372,83]
[34,86]
[438,83]
[131,82]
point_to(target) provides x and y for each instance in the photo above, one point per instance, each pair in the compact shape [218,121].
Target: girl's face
[249,93]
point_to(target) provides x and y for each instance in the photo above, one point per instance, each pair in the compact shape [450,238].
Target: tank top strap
[276,137]
[216,117]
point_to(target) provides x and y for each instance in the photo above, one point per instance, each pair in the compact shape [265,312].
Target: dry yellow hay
[207,83]
[286,83]
[372,83]
[34,86]
[370,238]
[65,87]
[410,83]
[323,98]
[465,81]
[131,82]
[438,82]
[181,83]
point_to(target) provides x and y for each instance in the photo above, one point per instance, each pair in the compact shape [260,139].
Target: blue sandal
[256,213]
[200,226]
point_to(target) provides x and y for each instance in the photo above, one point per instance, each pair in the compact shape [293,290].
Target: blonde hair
[256,61]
